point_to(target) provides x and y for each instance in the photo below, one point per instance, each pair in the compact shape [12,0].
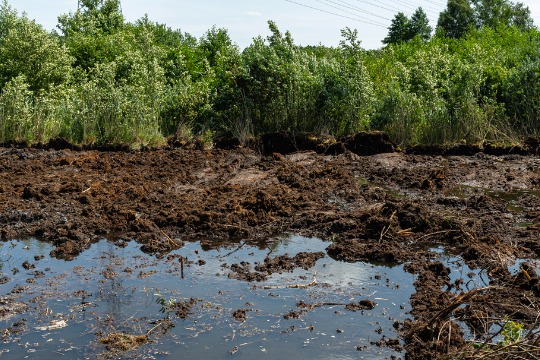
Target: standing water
[53,308]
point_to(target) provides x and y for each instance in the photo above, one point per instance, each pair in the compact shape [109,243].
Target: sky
[310,22]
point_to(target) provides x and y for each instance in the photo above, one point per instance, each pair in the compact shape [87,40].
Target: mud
[390,208]
[271,265]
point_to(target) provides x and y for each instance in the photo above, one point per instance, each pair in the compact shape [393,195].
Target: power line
[355,8]
[379,6]
[403,4]
[332,13]
[438,3]
[407,5]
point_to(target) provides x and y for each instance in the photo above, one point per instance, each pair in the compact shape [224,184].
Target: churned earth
[481,205]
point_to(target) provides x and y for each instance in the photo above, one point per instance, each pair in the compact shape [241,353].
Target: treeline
[101,80]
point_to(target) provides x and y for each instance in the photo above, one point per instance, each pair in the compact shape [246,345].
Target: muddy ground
[389,208]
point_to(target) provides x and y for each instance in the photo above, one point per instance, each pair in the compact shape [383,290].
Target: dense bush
[101,80]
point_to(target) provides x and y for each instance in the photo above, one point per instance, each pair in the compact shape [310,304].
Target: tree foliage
[399,30]
[419,25]
[26,49]
[457,19]
[460,16]
[404,29]
[102,80]
[494,13]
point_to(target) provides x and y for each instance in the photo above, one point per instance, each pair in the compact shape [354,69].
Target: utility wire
[332,13]
[438,3]
[379,6]
[355,8]
[407,5]
[345,11]
[403,4]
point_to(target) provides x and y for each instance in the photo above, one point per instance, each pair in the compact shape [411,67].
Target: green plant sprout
[166,305]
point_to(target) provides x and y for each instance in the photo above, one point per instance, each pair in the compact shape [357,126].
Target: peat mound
[370,143]
[363,143]
[287,143]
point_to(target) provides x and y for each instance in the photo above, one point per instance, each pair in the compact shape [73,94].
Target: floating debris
[53,325]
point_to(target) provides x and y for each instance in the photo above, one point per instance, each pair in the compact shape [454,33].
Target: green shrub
[521,94]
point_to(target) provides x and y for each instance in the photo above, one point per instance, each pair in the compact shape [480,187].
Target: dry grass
[124,342]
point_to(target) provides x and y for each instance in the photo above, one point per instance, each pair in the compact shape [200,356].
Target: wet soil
[389,208]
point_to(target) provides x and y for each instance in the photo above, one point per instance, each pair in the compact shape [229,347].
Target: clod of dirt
[18,289]
[27,266]
[295,314]
[244,272]
[159,245]
[31,193]
[304,260]
[361,305]
[435,180]
[67,250]
[278,264]
[391,343]
[182,308]
[61,144]
[226,143]
[240,314]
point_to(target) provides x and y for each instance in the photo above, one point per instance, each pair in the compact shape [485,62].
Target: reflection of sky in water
[119,284]
[516,266]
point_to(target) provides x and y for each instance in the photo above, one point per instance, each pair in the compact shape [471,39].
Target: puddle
[70,305]
[388,190]
[516,267]
[460,273]
[510,198]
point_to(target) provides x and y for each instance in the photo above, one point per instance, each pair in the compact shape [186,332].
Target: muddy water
[53,308]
